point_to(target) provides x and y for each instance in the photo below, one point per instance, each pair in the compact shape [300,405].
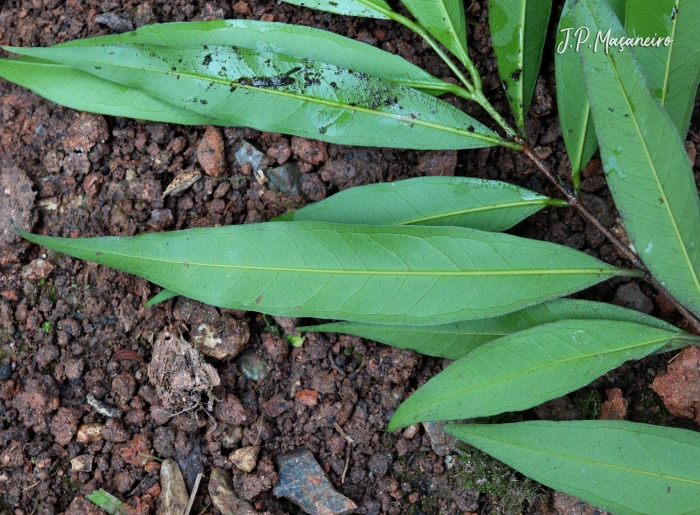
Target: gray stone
[115,22]
[630,296]
[285,179]
[247,153]
[302,481]
[5,372]
[173,498]
[442,443]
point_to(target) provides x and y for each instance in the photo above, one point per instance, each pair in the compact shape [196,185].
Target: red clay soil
[73,419]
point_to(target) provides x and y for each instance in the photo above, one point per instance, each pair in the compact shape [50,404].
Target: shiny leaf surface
[278,93]
[293,40]
[362,8]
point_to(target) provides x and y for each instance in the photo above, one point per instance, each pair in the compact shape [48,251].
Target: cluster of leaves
[423,264]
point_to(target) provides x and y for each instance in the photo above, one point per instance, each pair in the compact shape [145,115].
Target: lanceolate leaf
[530,367]
[622,467]
[363,8]
[80,90]
[278,93]
[294,40]
[645,162]
[162,296]
[445,20]
[672,71]
[518,31]
[458,339]
[572,101]
[385,274]
[457,201]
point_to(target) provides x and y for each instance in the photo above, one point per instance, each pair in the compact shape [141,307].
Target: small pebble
[173,498]
[88,433]
[223,496]
[103,408]
[5,372]
[115,22]
[81,463]
[411,431]
[248,154]
[285,179]
[252,366]
[245,458]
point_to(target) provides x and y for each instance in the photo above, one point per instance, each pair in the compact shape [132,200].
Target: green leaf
[162,296]
[645,162]
[106,501]
[518,32]
[293,40]
[79,90]
[458,339]
[530,367]
[362,8]
[278,93]
[445,20]
[457,201]
[672,71]
[622,467]
[385,274]
[572,101]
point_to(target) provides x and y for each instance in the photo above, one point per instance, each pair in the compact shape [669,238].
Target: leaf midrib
[401,118]
[667,71]
[480,386]
[466,211]
[592,462]
[411,273]
[521,64]
[667,207]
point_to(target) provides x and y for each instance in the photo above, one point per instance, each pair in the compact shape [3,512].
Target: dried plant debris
[180,374]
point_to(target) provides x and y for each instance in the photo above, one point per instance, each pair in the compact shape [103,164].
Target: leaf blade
[361,8]
[640,145]
[572,101]
[293,40]
[530,367]
[622,467]
[434,201]
[457,339]
[278,93]
[162,296]
[395,274]
[58,83]
[672,71]
[518,31]
[445,20]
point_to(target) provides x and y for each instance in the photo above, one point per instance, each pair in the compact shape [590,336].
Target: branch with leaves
[422,264]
